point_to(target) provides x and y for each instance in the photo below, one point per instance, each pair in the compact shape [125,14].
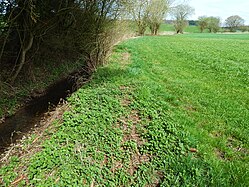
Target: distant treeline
[242,28]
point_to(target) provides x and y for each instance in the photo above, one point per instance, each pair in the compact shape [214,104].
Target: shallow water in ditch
[29,116]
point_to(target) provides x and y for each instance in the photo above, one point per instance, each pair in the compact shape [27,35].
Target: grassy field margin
[156,115]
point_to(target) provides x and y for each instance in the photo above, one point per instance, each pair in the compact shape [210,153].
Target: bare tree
[148,13]
[213,24]
[27,19]
[202,22]
[234,22]
[180,13]
[86,27]
[138,11]
[157,10]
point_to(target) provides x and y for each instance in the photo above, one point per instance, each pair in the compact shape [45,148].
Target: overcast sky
[221,8]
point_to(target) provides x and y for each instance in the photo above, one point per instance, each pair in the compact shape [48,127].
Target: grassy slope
[134,124]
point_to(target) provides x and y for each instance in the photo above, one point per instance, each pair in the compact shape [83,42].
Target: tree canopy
[234,22]
[138,11]
[148,13]
[202,23]
[211,23]
[180,13]
[157,10]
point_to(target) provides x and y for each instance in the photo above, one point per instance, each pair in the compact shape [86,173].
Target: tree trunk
[3,45]
[22,59]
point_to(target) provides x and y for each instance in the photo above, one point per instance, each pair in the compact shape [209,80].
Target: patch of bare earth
[234,144]
[125,59]
[123,87]
[215,134]
[31,143]
[131,126]
[220,154]
[136,158]
[170,33]
[190,108]
[158,177]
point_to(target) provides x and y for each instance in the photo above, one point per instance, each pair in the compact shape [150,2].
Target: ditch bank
[25,119]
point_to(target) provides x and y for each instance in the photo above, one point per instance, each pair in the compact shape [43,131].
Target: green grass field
[166,111]
[189,29]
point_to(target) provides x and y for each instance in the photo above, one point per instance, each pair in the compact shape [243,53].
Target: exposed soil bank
[14,127]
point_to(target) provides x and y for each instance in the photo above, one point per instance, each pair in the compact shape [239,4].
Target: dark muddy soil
[14,127]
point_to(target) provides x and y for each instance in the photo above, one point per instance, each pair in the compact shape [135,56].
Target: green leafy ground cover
[166,111]
[230,36]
